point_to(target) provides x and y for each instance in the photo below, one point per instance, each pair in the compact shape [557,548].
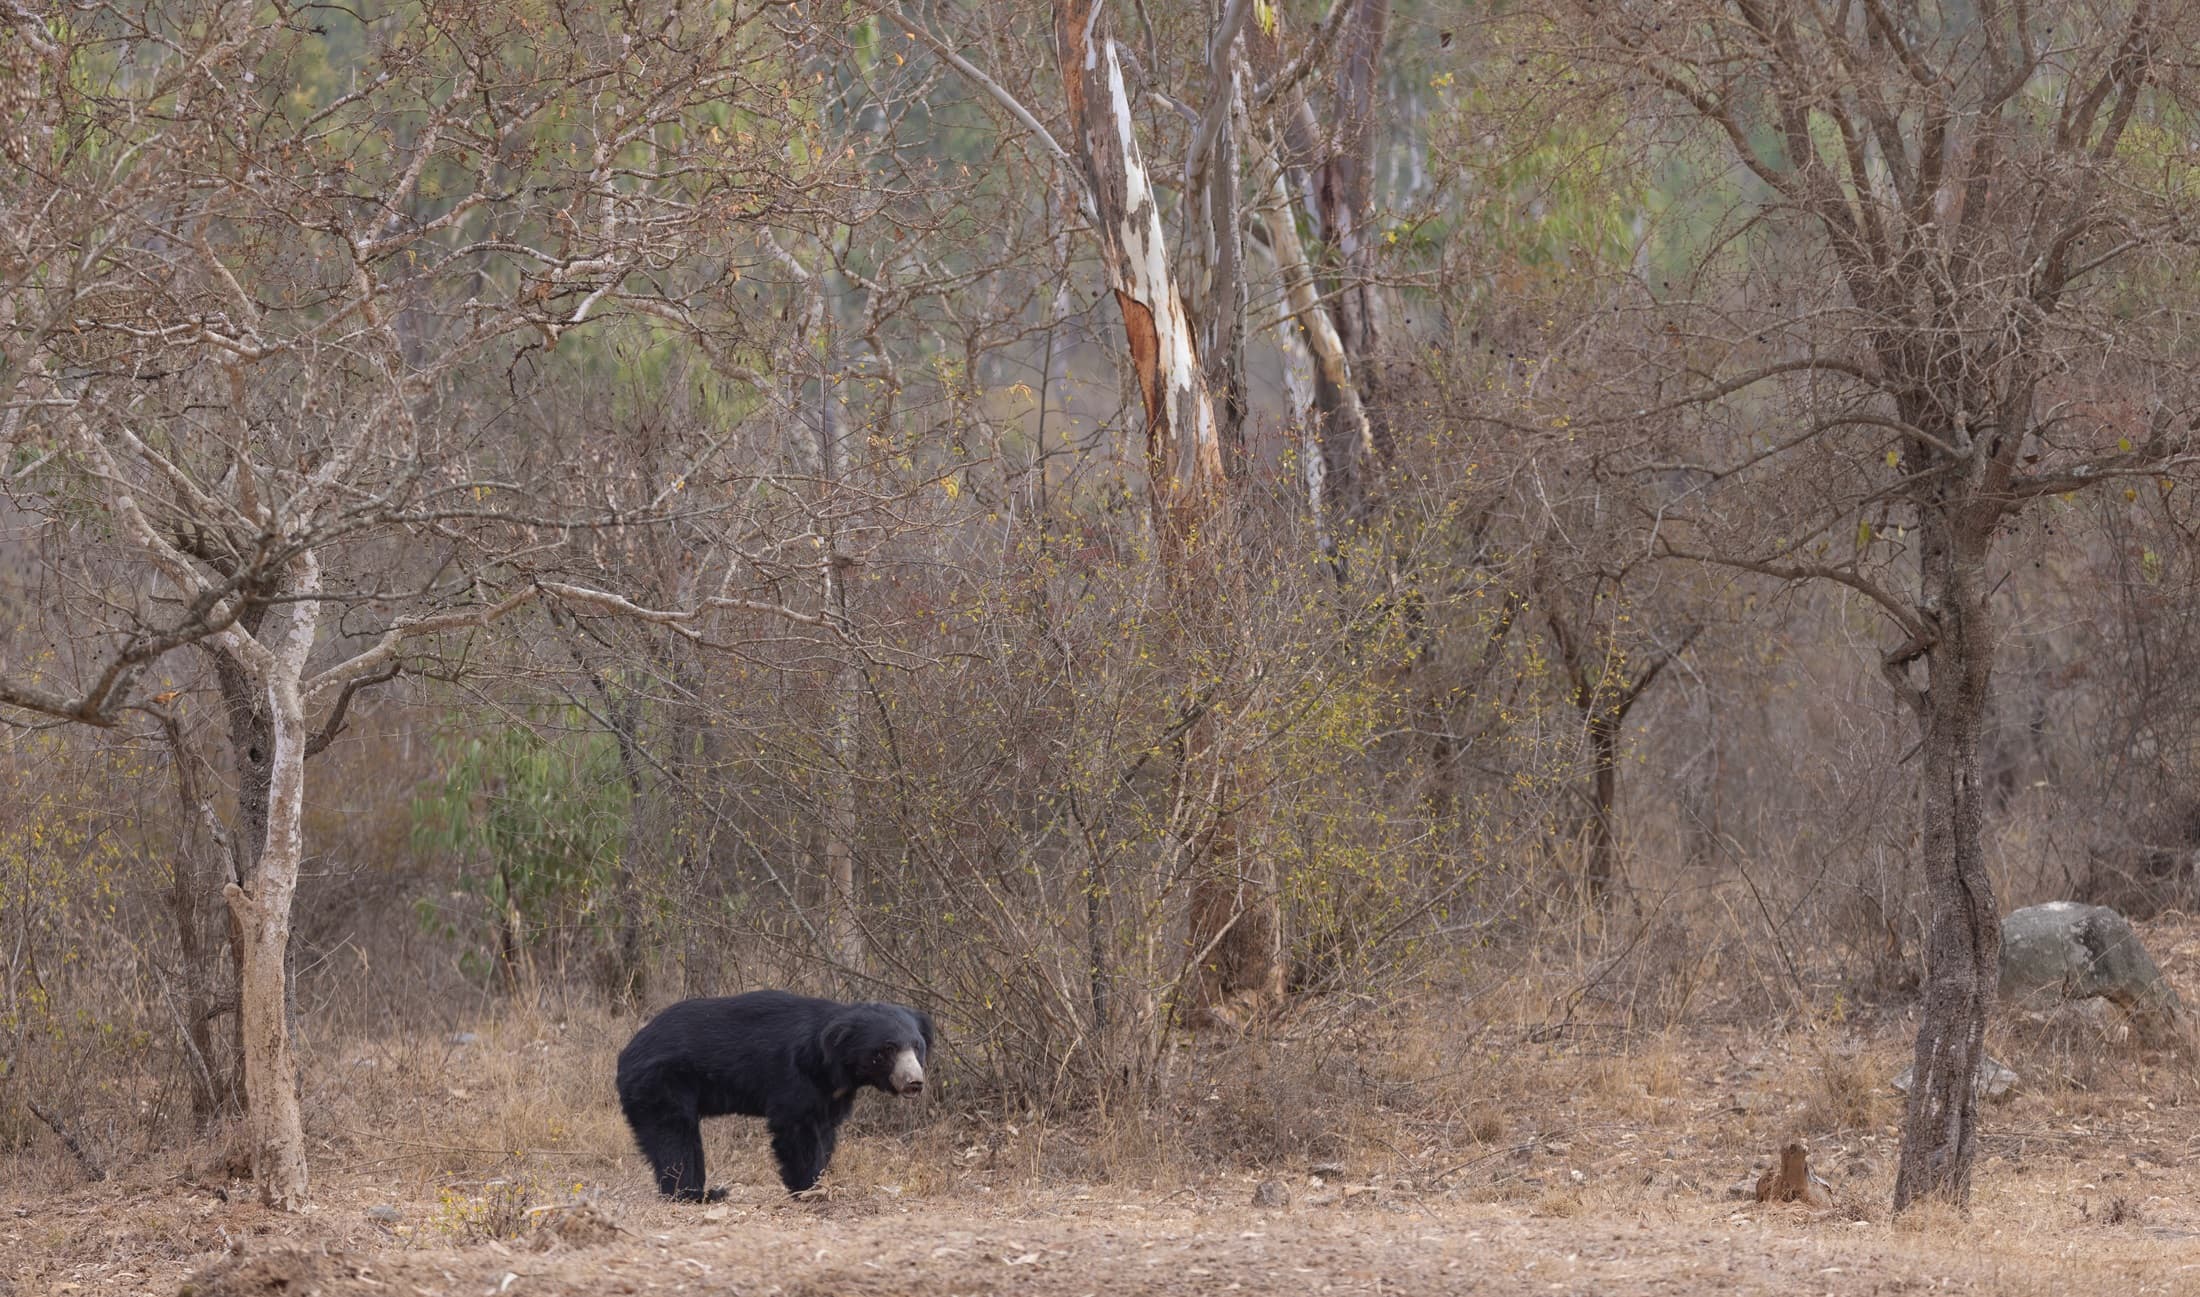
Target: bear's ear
[834,1039]
[837,1042]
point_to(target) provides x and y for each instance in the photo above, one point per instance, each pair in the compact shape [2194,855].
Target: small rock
[1271,1193]
[1326,1168]
[385,1212]
[462,1038]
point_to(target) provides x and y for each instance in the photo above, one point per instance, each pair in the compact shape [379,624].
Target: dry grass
[1390,1126]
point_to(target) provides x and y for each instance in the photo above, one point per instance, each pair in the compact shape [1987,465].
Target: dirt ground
[2080,1205]
[1494,1163]
[1207,1241]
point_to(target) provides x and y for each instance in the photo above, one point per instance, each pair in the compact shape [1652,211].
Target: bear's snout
[908,1077]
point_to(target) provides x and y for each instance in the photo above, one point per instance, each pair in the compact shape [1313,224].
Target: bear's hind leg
[673,1143]
[690,1180]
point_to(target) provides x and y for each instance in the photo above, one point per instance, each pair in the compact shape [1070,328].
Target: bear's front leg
[803,1147]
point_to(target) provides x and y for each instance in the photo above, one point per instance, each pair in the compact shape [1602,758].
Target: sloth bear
[794,1061]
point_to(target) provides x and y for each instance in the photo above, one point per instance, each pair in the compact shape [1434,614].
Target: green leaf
[865,40]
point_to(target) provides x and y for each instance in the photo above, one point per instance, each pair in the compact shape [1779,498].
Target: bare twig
[92,1168]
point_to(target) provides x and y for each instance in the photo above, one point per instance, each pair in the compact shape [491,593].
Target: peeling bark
[260,904]
[1183,448]
[1234,965]
[1336,399]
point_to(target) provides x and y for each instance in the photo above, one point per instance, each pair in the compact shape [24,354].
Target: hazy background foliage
[881,330]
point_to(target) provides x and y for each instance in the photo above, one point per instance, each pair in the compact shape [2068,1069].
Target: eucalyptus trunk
[1234,966]
[843,924]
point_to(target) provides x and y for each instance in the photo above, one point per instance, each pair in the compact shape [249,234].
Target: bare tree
[247,319]
[1610,660]
[1932,338]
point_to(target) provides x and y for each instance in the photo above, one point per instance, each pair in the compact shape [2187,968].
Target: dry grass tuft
[1849,1090]
[497,1211]
[576,1224]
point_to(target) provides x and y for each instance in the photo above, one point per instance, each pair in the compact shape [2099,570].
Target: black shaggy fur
[796,1062]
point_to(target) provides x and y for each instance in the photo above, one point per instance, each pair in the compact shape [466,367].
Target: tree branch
[999,94]
[1310,55]
[385,649]
[1904,616]
[1657,665]
[92,1169]
[2085,475]
[1720,391]
[104,701]
[334,725]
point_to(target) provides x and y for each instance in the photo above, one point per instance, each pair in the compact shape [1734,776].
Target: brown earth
[1621,1239]
[1127,1248]
[1621,1165]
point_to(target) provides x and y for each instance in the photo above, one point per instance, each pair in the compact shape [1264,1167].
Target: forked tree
[1957,212]
[266,279]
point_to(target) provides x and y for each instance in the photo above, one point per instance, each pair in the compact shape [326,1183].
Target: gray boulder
[1993,1079]
[2063,952]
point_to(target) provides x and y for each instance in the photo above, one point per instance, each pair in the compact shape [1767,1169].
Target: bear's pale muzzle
[908,1077]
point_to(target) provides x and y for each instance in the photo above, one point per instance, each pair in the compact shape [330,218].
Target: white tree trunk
[842,924]
[1183,447]
[843,927]
[1234,967]
[1301,292]
[276,1125]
